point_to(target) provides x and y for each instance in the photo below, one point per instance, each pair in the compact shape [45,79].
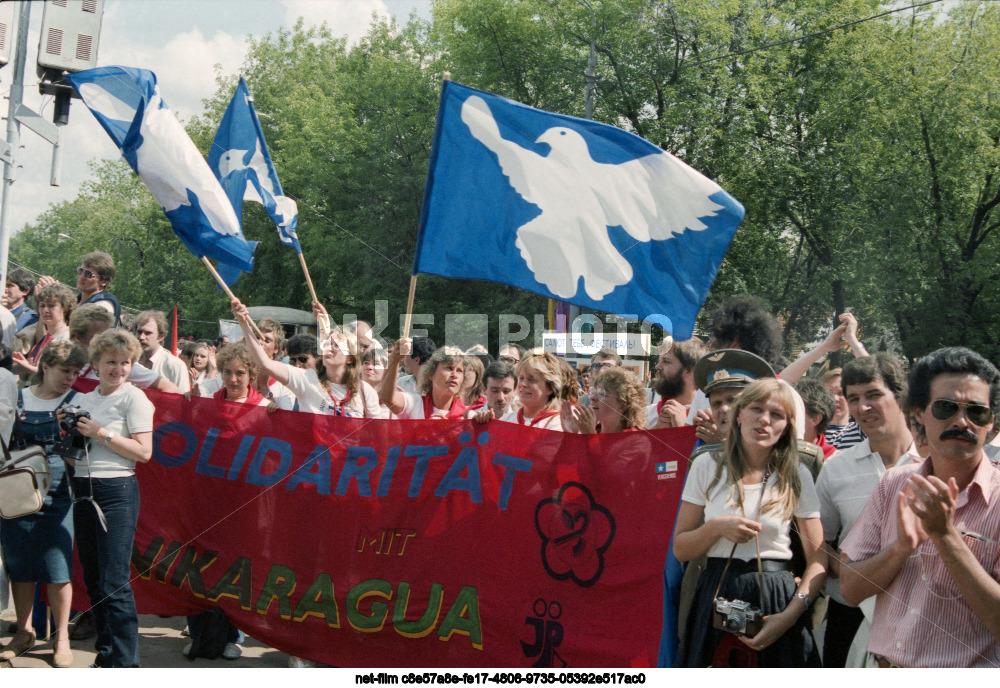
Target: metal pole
[13,132]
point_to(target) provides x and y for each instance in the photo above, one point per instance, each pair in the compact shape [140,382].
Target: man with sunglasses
[927,543]
[875,390]
[93,276]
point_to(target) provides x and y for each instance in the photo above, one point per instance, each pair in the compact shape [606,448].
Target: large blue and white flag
[127,103]
[572,209]
[239,158]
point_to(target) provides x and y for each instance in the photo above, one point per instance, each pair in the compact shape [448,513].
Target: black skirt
[796,648]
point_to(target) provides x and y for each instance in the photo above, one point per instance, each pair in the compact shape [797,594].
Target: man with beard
[674,382]
[925,543]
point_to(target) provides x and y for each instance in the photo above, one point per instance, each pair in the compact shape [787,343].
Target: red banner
[410,543]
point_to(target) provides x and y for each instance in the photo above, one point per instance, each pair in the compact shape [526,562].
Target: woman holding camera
[38,548]
[748,495]
[120,428]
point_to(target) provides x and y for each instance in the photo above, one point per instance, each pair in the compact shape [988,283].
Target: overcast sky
[180,41]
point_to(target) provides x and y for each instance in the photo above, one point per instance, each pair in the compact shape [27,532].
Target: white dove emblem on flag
[652,198]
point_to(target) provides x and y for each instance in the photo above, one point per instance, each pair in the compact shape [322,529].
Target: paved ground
[160,645]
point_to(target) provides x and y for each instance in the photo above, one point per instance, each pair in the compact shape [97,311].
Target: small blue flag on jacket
[572,209]
[240,159]
[127,103]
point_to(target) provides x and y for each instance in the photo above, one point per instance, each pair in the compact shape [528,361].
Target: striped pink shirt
[922,620]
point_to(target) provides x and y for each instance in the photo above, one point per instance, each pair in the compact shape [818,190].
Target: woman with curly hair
[617,404]
[540,383]
[439,385]
[737,507]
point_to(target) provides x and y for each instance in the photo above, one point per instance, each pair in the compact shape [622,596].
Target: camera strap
[756,537]
[90,478]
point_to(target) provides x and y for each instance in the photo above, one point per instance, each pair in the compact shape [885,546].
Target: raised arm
[800,366]
[162,384]
[322,321]
[388,393]
[276,369]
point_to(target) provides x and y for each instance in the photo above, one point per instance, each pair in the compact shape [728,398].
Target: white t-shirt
[413,408]
[774,538]
[280,395]
[125,412]
[313,398]
[33,403]
[172,368]
[550,423]
[9,324]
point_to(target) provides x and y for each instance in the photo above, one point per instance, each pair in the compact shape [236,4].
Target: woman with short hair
[540,382]
[617,404]
[106,511]
[737,507]
[439,388]
[55,304]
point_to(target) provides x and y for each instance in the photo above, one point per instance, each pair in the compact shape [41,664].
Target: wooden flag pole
[305,269]
[225,288]
[409,307]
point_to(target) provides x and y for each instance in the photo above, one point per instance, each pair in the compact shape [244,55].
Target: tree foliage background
[864,144]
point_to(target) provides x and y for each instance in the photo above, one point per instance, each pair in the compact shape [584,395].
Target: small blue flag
[572,209]
[240,159]
[127,103]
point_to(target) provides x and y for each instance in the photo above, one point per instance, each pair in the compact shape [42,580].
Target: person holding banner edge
[439,384]
[758,473]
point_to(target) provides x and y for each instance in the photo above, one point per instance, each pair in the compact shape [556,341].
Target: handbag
[25,479]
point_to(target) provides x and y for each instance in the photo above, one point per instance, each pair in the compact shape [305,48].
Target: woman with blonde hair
[539,387]
[617,404]
[748,494]
[439,385]
[106,504]
[334,387]
[472,388]
[202,364]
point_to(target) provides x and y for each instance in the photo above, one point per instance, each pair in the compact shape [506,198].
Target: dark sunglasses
[301,359]
[598,366]
[944,409]
[85,272]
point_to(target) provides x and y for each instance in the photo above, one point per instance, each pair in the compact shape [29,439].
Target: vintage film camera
[737,617]
[73,445]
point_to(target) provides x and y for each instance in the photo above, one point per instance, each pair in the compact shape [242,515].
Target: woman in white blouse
[740,503]
[334,387]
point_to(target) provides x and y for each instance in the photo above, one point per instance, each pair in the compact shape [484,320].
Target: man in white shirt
[151,329]
[875,389]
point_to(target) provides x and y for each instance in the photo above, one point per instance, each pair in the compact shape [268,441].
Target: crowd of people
[856,499]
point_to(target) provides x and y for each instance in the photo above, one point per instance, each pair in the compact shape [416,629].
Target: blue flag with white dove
[127,103]
[572,209]
[242,163]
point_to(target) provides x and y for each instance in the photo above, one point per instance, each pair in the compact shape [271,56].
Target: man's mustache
[961,434]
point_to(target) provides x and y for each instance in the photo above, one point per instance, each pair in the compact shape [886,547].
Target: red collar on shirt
[456,412]
[253,396]
[539,417]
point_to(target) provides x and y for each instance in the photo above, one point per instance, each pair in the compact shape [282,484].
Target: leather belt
[884,663]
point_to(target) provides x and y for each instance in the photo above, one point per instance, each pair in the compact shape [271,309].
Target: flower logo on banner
[575,534]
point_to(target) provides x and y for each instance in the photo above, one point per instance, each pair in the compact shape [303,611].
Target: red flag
[173,333]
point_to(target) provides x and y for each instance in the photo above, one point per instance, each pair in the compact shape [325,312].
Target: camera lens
[733,624]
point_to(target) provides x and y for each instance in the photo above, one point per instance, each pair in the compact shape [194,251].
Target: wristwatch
[805,598]
[107,439]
